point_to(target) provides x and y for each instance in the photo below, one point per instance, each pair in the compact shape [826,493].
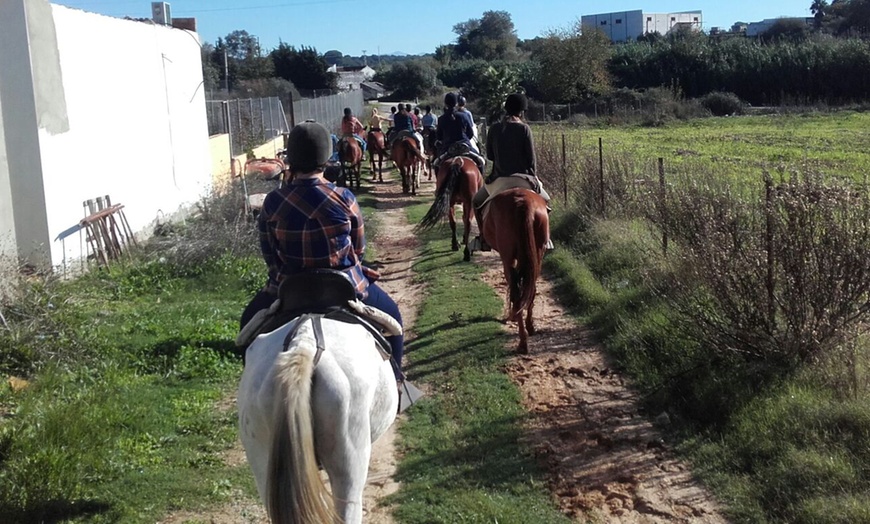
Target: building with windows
[628,25]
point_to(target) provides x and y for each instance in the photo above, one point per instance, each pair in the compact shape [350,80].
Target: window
[619,20]
[649,19]
[696,19]
[604,22]
[673,19]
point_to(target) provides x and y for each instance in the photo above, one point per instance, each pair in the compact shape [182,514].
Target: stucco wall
[119,111]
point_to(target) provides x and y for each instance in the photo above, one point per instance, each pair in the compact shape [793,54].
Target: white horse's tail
[295,492]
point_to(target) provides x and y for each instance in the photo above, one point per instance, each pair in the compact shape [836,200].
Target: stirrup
[549,245]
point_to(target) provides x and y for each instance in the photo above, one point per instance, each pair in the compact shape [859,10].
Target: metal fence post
[601,173]
[564,171]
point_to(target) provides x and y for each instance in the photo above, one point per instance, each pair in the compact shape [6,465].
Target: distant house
[373,90]
[626,26]
[352,77]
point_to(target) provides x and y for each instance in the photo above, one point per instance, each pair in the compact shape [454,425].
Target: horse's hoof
[454,246]
[523,348]
[467,255]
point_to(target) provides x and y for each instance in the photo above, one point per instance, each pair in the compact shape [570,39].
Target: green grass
[126,428]
[834,143]
[789,450]
[462,458]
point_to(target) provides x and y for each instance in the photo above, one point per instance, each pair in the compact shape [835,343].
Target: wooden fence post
[663,204]
[601,174]
[768,241]
[564,172]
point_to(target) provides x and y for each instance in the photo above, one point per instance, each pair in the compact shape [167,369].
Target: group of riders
[311,223]
[454,132]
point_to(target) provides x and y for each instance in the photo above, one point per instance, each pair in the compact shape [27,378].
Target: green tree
[409,79]
[573,64]
[819,9]
[305,68]
[786,29]
[492,37]
[495,86]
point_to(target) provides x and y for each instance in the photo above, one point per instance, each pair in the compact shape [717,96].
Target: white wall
[120,111]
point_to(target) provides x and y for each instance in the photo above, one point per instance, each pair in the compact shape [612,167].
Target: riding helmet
[450,100]
[460,100]
[347,111]
[308,147]
[516,103]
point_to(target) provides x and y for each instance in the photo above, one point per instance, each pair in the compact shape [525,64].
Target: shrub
[722,104]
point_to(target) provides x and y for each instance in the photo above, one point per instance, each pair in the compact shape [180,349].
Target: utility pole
[226,73]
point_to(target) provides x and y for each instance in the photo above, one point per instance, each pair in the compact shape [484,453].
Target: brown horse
[429,150]
[457,181]
[517,226]
[350,157]
[376,145]
[406,155]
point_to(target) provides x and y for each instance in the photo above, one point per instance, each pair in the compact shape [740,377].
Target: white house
[90,106]
[351,77]
[628,25]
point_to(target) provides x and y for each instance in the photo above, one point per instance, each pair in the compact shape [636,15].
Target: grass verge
[462,459]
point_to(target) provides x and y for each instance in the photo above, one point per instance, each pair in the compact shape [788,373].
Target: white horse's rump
[290,411]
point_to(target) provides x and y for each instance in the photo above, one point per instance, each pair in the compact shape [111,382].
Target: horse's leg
[466,228]
[451,216]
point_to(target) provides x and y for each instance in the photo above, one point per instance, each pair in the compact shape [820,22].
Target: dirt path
[606,461]
[396,251]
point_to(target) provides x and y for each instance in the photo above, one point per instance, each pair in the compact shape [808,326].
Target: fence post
[601,173]
[564,172]
[292,112]
[768,241]
[663,204]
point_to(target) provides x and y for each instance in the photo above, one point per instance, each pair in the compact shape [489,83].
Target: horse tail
[442,197]
[294,491]
[345,152]
[411,148]
[528,258]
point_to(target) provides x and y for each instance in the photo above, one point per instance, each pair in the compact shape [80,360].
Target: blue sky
[416,27]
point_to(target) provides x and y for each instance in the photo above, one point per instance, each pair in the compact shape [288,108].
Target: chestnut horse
[376,145]
[350,157]
[429,149]
[406,155]
[457,181]
[516,224]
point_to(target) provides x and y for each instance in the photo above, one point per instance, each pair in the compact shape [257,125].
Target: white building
[628,25]
[91,106]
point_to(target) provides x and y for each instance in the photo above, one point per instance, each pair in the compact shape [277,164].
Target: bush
[722,104]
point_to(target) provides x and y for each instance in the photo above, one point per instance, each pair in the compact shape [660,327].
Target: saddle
[461,149]
[322,293]
[401,134]
[503,183]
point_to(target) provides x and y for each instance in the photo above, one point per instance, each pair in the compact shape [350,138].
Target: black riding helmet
[516,103]
[460,100]
[347,111]
[450,100]
[308,147]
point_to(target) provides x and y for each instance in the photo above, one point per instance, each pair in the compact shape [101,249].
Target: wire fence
[327,110]
[249,122]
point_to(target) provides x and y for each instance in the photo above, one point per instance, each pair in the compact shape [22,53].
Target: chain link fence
[249,122]
[327,110]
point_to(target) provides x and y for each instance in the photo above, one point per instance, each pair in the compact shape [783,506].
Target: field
[835,144]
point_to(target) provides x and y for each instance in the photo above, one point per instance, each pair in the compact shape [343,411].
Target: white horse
[294,412]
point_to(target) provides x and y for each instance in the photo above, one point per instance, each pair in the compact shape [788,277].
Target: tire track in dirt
[605,460]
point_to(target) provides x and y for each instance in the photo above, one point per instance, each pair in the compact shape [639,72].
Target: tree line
[792,62]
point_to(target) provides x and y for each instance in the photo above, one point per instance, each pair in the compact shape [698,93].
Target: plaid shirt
[313,224]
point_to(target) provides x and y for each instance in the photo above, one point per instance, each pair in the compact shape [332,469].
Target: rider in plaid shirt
[313,224]
[310,223]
